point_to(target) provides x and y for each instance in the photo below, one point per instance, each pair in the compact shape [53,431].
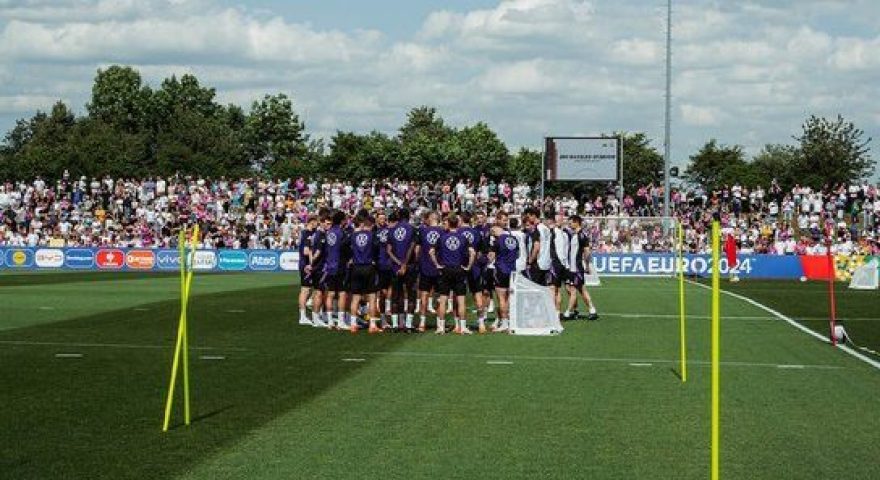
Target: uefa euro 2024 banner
[118,259]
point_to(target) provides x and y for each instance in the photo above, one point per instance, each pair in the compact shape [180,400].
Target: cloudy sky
[746,72]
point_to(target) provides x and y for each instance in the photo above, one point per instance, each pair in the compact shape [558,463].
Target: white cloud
[744,72]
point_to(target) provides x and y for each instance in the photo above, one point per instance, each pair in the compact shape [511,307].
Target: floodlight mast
[666,141]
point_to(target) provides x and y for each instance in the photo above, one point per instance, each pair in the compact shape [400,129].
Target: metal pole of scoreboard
[666,141]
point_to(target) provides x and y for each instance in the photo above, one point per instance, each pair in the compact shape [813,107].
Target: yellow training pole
[716,333]
[681,307]
[180,332]
[193,246]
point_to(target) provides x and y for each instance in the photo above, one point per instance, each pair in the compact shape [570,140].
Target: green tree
[642,163]
[832,152]
[479,151]
[525,166]
[120,98]
[273,135]
[776,161]
[46,151]
[716,165]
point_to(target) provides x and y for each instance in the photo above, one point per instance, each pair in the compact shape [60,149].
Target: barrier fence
[615,264]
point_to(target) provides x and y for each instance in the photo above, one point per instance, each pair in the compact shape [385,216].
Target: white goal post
[532,309]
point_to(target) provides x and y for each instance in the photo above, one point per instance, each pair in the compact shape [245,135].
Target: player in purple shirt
[476,275]
[428,235]
[305,279]
[454,257]
[401,248]
[334,271]
[504,253]
[315,269]
[384,273]
[364,256]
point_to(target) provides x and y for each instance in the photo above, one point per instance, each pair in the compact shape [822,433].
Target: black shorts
[488,279]
[500,279]
[558,275]
[406,282]
[305,279]
[383,279]
[453,280]
[427,283]
[576,279]
[363,280]
[537,275]
[346,279]
[475,283]
[316,279]
[332,282]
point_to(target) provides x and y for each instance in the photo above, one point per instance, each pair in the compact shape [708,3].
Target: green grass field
[603,400]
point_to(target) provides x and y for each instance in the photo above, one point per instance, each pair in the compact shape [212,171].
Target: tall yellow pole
[181,327]
[185,352]
[681,304]
[716,334]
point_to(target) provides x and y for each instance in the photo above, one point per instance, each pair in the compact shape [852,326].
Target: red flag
[730,251]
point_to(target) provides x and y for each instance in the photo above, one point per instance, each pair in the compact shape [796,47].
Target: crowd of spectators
[259,213]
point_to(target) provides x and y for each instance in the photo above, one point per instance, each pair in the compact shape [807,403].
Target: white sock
[387,304]
[462,324]
[592,309]
[316,317]
[394,321]
[409,320]
[423,319]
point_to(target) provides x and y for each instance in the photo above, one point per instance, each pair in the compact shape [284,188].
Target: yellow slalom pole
[193,246]
[180,333]
[716,334]
[681,304]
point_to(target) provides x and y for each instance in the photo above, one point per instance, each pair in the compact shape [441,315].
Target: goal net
[865,277]
[532,310]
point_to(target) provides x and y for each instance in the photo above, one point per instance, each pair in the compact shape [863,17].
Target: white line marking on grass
[68,355]
[641,364]
[234,311]
[498,362]
[644,361]
[664,316]
[354,359]
[47,308]
[27,343]
[798,367]
[793,323]
[212,357]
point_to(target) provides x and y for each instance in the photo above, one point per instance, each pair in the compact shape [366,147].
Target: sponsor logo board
[204,260]
[263,260]
[110,259]
[49,258]
[289,261]
[168,260]
[19,258]
[140,259]
[233,260]
[79,258]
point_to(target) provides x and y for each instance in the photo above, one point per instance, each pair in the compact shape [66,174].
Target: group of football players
[380,271]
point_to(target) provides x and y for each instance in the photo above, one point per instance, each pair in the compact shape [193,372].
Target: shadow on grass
[100,416]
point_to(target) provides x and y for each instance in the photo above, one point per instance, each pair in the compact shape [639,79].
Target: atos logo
[19,258]
[110,259]
[168,260]
[263,260]
[233,260]
[79,258]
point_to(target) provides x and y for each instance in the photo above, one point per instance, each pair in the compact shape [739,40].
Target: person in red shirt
[730,254]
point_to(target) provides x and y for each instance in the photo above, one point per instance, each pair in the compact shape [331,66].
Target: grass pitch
[275,400]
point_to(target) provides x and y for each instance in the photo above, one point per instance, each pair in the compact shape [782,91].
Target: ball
[803,279]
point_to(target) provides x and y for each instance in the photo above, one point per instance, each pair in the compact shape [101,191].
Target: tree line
[133,130]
